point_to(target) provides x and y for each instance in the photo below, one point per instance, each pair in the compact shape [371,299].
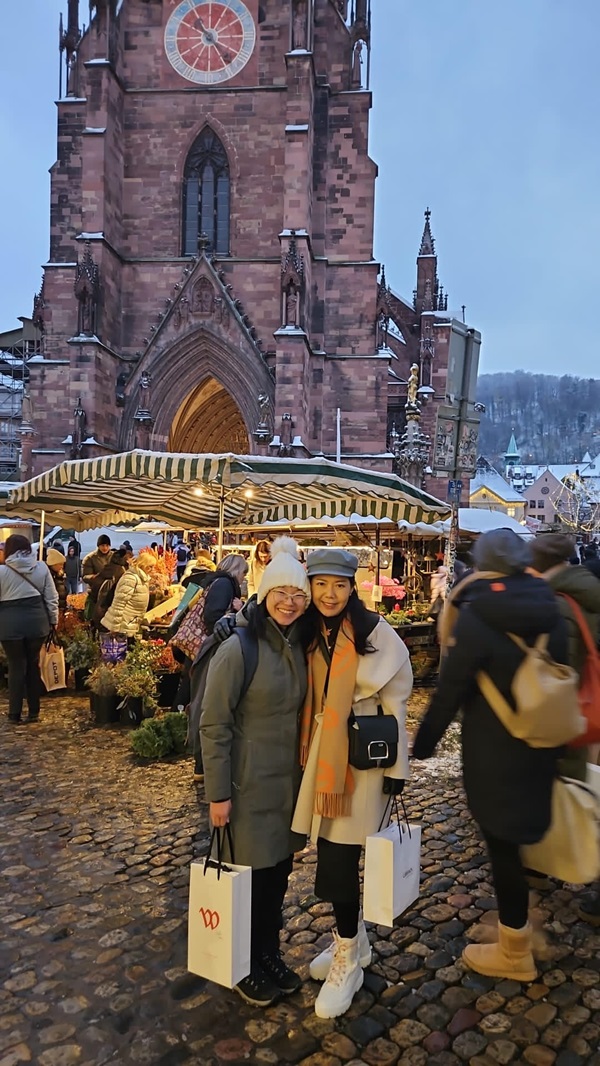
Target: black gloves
[224,628]
[392,786]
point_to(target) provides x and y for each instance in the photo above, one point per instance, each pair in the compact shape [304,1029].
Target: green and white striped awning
[208,491]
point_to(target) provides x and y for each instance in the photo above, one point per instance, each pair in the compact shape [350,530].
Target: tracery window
[206,191]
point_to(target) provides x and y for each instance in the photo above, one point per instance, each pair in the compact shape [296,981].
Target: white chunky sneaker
[344,979]
[319,967]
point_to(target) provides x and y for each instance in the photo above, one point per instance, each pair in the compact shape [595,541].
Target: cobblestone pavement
[94,856]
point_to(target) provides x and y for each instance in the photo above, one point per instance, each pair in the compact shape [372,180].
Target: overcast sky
[485,112]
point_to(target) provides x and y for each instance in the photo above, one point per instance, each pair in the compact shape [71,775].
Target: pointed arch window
[206,194]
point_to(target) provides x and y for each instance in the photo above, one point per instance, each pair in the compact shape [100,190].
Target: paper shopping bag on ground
[219,921]
[392,872]
[52,667]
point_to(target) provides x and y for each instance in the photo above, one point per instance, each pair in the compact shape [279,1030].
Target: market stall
[200,492]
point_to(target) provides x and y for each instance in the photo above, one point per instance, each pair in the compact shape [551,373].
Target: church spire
[427,241]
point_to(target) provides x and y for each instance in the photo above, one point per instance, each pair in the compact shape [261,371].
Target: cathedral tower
[211,282]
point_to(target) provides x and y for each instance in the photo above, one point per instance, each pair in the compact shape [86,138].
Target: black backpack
[182,554]
[199,673]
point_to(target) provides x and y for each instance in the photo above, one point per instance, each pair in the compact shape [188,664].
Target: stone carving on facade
[382,312]
[292,279]
[87,288]
[143,415]
[39,304]
[299,12]
[79,433]
[357,77]
[120,393]
[203,298]
[412,392]
[262,432]
[285,435]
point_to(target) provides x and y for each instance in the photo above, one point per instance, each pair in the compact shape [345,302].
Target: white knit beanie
[284,569]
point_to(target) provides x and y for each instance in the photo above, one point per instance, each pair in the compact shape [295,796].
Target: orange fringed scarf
[334,780]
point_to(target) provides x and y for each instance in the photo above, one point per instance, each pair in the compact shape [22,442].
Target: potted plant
[168,672]
[104,701]
[82,652]
[136,683]
[159,737]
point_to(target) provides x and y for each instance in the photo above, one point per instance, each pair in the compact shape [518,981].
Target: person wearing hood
[131,598]
[72,569]
[251,764]
[508,783]
[55,561]
[28,610]
[199,570]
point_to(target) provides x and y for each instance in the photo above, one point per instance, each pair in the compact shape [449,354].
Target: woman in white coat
[356,663]
[130,601]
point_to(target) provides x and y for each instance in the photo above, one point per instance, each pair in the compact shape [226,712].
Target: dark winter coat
[250,745]
[73,567]
[582,586]
[508,783]
[223,588]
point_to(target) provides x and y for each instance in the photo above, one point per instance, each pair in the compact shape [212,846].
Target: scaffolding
[17,346]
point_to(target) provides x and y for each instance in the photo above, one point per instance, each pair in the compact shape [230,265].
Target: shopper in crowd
[251,763]
[28,609]
[550,556]
[439,581]
[357,663]
[221,596]
[72,570]
[94,563]
[259,559]
[591,559]
[182,556]
[199,570]
[103,587]
[130,602]
[55,562]
[507,782]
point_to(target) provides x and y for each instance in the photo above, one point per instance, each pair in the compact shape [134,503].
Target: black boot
[589,909]
[258,988]
[286,980]
[198,769]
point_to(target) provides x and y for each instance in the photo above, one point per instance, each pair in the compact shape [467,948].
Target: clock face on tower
[209,41]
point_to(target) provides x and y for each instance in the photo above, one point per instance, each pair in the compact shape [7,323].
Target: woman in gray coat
[28,608]
[251,763]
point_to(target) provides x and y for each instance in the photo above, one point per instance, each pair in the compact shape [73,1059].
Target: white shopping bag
[593,778]
[219,921]
[52,667]
[392,872]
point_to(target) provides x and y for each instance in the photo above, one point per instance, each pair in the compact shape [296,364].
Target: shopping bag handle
[393,801]
[219,865]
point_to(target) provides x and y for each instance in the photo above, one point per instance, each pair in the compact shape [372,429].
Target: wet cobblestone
[94,857]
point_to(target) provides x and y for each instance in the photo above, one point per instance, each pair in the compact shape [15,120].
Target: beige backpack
[546,711]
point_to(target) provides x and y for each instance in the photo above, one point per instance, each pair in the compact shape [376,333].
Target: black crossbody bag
[372,738]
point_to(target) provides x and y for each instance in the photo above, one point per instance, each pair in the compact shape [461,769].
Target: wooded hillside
[554,419]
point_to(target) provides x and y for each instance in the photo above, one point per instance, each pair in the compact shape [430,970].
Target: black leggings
[510,884]
[23,658]
[269,887]
[338,882]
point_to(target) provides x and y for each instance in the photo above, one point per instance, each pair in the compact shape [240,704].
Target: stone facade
[248,337]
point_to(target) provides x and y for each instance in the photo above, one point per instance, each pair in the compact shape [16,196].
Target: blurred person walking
[28,611]
[508,783]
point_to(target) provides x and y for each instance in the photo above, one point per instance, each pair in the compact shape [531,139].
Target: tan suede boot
[511,957]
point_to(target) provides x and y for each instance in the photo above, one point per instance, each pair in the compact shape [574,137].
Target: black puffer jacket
[508,783]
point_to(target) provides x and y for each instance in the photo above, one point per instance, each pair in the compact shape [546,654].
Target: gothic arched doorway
[209,420]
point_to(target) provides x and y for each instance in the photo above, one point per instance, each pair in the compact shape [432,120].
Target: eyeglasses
[298,598]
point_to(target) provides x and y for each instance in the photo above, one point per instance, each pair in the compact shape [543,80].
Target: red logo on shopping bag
[211,919]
